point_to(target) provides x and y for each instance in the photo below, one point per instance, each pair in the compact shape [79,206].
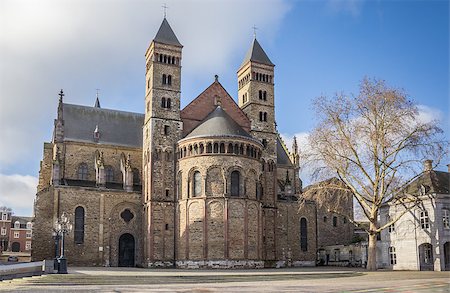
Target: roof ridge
[104,109]
[284,147]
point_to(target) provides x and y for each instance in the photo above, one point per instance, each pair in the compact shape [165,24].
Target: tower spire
[97,101]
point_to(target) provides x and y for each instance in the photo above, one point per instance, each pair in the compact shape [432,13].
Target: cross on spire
[165,9]
[61,95]
[254,31]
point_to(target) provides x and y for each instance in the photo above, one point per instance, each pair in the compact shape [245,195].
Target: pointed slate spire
[165,35]
[97,103]
[256,54]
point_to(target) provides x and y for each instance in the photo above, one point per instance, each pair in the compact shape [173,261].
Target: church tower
[257,100]
[161,131]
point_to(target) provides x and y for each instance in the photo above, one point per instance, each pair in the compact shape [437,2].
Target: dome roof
[218,123]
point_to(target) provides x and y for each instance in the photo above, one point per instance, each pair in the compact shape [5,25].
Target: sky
[318,47]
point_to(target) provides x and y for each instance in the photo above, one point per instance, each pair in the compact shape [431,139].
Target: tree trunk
[372,250]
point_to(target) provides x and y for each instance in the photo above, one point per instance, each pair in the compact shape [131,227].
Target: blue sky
[319,47]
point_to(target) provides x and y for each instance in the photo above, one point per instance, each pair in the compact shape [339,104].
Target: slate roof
[218,123]
[165,35]
[256,54]
[282,156]
[115,127]
[434,181]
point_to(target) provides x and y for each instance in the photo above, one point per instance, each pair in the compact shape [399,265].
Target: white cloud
[428,114]
[18,192]
[83,45]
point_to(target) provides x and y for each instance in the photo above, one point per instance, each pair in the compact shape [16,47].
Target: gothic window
[446,218]
[197,183]
[303,234]
[169,79]
[79,225]
[392,255]
[164,79]
[83,171]
[334,221]
[235,182]
[424,220]
[109,174]
[136,178]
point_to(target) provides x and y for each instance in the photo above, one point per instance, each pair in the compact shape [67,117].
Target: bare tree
[373,142]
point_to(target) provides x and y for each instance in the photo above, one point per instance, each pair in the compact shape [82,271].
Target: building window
[169,79]
[197,183]
[29,235]
[29,225]
[446,218]
[428,253]
[28,245]
[109,174]
[424,220]
[303,234]
[337,255]
[17,225]
[166,129]
[167,192]
[325,219]
[83,171]
[392,255]
[16,234]
[334,221]
[391,228]
[4,216]
[344,220]
[167,227]
[3,231]
[164,79]
[235,178]
[260,95]
[79,225]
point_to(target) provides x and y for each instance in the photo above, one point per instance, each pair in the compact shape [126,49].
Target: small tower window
[164,79]
[163,102]
[265,116]
[166,129]
[335,221]
[197,183]
[83,171]
[169,79]
[168,103]
[260,94]
[265,96]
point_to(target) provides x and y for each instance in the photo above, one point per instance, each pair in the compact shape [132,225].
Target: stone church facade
[211,185]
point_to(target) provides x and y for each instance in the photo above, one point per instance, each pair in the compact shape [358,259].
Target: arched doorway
[126,250]
[15,247]
[447,255]
[426,257]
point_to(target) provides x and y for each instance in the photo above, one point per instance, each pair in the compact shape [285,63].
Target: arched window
[235,181]
[16,225]
[164,79]
[303,234]
[83,171]
[169,79]
[163,102]
[260,116]
[29,225]
[265,116]
[222,148]
[265,96]
[168,103]
[216,148]
[208,148]
[79,225]
[109,174]
[334,221]
[260,94]
[197,183]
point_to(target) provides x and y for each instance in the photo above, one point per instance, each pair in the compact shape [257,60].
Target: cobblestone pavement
[205,281]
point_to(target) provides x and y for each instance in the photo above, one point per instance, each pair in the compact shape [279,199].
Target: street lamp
[55,236]
[62,227]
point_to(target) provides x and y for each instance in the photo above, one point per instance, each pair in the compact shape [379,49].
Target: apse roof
[218,123]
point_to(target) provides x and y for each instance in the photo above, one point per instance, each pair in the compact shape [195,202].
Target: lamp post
[63,226]
[55,236]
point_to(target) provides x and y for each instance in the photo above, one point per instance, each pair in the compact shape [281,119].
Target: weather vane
[165,9]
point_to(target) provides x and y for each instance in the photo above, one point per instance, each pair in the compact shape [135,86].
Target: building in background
[5,226]
[420,239]
[20,234]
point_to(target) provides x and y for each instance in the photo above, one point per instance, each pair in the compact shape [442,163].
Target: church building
[211,185]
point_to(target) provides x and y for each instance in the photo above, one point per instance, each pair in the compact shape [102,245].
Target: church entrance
[126,250]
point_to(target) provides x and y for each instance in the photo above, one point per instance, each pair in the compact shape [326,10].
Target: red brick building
[5,226]
[20,234]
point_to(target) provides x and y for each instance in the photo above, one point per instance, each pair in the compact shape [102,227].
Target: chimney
[427,165]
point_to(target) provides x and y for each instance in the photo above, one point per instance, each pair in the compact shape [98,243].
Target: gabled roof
[434,182]
[282,155]
[165,35]
[199,108]
[256,54]
[218,123]
[115,127]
